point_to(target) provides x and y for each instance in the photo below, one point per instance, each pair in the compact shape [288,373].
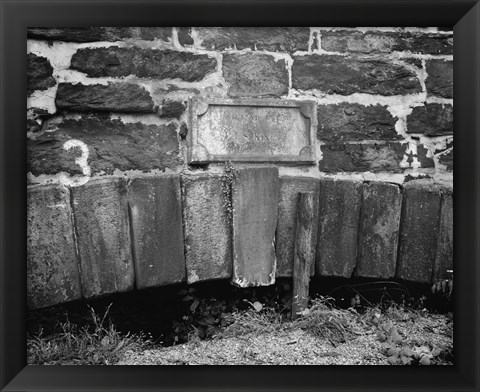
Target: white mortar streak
[440,100]
[43,99]
[311,39]
[175,41]
[71,181]
[360,98]
[426,30]
[146,119]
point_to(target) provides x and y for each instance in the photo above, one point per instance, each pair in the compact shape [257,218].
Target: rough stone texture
[184,36]
[339,213]
[115,61]
[172,108]
[35,119]
[52,267]
[344,75]
[378,232]
[416,177]
[208,243]
[362,157]
[157,232]
[91,34]
[112,145]
[183,131]
[255,212]
[103,235]
[287,209]
[254,75]
[418,232]
[39,73]
[351,122]
[439,81]
[447,159]
[114,97]
[416,62]
[423,157]
[282,39]
[433,119]
[386,42]
[444,256]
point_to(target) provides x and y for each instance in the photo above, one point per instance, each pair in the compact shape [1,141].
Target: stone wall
[107,122]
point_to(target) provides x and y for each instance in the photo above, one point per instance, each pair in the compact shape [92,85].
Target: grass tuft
[99,344]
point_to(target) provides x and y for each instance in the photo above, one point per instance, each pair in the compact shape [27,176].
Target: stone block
[112,144]
[447,159]
[444,256]
[352,122]
[439,81]
[339,214]
[207,231]
[157,232]
[345,76]
[115,61]
[53,275]
[39,73]
[379,230]
[172,108]
[362,157]
[92,34]
[114,97]
[35,119]
[287,209]
[386,42]
[184,36]
[423,157]
[255,212]
[103,234]
[433,119]
[254,75]
[274,39]
[418,232]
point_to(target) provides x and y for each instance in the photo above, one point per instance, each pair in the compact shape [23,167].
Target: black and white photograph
[191,190]
[240,196]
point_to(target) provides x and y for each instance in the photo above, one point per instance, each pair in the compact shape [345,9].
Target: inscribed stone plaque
[252,130]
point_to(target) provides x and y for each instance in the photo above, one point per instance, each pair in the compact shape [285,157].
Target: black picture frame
[16,15]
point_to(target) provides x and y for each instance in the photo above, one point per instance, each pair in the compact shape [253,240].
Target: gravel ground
[300,347]
[295,348]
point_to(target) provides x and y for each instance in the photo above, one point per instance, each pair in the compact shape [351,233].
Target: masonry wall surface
[107,108]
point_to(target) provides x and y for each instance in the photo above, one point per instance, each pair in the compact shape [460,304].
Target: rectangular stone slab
[287,208]
[103,233]
[53,275]
[444,257]
[251,130]
[255,211]
[155,208]
[379,228]
[339,213]
[207,231]
[418,232]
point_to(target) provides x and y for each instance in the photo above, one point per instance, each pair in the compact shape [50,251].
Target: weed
[97,345]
